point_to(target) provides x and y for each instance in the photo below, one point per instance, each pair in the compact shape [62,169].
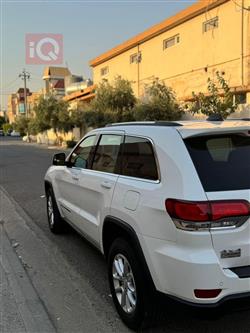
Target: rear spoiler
[188,132]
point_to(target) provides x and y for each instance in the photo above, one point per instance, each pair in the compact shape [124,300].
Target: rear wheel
[56,223]
[133,297]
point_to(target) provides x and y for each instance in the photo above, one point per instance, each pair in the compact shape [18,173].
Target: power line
[10,83]
[241,6]
[25,76]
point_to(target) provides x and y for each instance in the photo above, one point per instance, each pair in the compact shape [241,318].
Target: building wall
[32,100]
[187,65]
[12,108]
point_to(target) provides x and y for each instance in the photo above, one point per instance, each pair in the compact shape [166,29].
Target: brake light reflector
[207,293]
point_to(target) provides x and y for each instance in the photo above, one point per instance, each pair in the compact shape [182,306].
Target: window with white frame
[171,41]
[211,24]
[104,71]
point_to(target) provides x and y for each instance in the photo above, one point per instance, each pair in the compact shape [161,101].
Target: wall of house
[187,65]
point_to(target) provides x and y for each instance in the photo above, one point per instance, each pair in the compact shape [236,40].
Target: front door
[68,178]
[95,186]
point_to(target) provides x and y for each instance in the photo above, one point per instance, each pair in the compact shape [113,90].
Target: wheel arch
[114,228]
[47,185]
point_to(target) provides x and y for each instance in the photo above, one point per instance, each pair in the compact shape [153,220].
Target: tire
[56,223]
[140,307]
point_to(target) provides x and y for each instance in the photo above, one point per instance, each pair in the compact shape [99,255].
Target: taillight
[188,210]
[200,215]
[221,209]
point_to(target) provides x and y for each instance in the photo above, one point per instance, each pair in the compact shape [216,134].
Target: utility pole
[24,76]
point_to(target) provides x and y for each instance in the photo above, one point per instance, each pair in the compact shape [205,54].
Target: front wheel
[132,296]
[56,223]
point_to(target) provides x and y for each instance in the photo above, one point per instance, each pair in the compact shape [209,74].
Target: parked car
[14,133]
[1,132]
[8,133]
[167,204]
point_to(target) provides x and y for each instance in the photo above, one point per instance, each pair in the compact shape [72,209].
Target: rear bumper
[177,271]
[243,296]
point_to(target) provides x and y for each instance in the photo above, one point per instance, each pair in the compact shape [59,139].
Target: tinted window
[82,155]
[106,154]
[138,159]
[222,162]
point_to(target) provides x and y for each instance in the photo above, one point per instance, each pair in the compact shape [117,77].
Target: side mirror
[59,159]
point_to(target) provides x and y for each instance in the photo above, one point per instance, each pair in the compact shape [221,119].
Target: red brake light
[229,208]
[188,210]
[191,215]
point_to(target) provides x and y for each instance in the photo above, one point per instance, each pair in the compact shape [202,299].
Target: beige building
[54,80]
[16,104]
[32,100]
[16,107]
[12,108]
[185,50]
[79,96]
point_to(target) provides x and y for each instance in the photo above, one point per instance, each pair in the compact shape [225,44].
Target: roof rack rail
[146,123]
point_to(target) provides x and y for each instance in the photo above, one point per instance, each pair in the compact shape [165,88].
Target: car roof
[185,128]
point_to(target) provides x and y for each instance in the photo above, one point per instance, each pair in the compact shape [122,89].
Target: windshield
[222,161]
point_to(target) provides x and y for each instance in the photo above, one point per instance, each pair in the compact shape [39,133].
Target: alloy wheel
[124,283]
[50,211]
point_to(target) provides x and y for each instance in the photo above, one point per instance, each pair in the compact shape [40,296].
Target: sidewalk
[20,307]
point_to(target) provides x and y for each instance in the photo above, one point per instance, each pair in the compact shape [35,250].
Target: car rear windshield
[222,161]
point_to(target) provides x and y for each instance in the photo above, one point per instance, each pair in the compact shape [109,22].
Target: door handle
[106,184]
[75,178]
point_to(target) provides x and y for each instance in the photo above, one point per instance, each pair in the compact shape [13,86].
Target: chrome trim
[206,225]
[62,206]
[158,181]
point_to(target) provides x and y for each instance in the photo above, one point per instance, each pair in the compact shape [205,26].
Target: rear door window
[222,161]
[138,159]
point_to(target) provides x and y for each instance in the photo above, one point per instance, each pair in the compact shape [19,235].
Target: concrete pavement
[21,309]
[34,268]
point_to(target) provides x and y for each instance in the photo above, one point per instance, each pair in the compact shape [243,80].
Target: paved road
[22,168]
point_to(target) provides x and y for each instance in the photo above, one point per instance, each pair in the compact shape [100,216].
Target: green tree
[7,127]
[51,113]
[218,101]
[159,104]
[33,127]
[113,103]
[2,121]
[78,116]
[22,125]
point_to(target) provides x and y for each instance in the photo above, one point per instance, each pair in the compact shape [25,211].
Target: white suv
[166,203]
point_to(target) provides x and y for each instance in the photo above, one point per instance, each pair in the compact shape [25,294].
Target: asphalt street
[22,169]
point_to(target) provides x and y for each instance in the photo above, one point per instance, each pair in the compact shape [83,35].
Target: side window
[107,153]
[138,159]
[81,156]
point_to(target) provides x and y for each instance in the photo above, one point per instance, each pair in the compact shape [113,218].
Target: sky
[89,28]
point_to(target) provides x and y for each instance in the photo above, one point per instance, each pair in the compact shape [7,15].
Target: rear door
[222,162]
